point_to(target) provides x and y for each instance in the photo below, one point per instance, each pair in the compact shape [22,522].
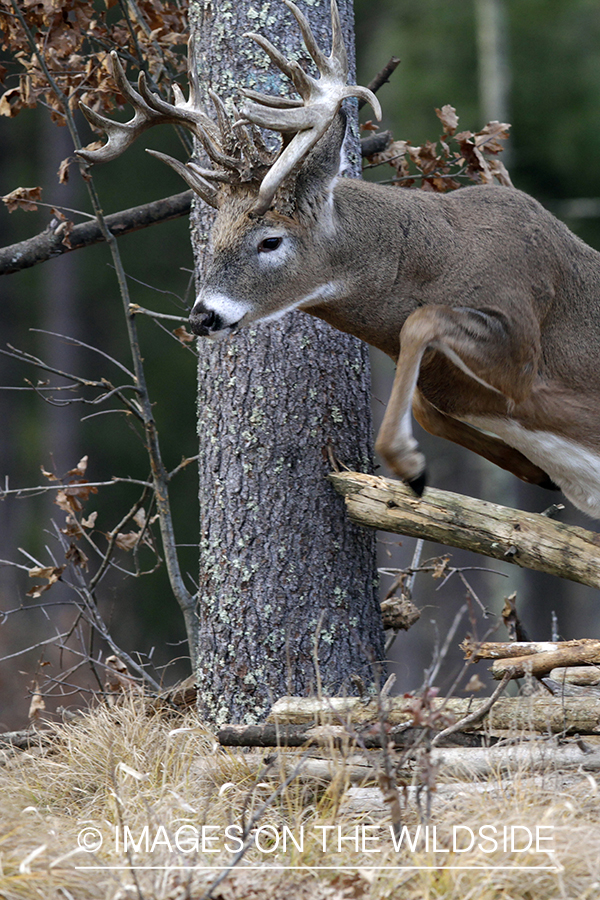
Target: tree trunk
[287,584]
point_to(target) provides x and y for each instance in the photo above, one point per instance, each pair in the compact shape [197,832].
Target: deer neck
[370,257]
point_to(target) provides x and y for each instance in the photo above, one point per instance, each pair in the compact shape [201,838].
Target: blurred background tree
[552,55]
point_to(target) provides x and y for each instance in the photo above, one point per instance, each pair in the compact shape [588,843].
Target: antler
[235,148]
[234,153]
[309,118]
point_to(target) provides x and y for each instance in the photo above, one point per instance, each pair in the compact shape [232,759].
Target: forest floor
[125,804]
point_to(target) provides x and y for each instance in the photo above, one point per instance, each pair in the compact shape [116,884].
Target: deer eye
[268,244]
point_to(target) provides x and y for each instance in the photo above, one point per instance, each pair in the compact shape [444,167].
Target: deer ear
[320,168]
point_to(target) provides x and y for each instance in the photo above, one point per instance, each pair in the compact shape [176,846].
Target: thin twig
[44,488]
[408,585]
[134,310]
[443,652]
[77,343]
[473,717]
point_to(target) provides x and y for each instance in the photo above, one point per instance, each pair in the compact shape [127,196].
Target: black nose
[203,322]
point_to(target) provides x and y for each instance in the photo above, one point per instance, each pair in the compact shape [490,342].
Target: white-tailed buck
[489,305]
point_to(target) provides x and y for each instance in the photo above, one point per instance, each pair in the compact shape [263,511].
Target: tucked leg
[494,350]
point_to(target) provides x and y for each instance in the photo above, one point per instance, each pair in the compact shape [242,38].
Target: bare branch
[135,310]
[182,465]
[52,640]
[49,243]
[43,488]
[381,78]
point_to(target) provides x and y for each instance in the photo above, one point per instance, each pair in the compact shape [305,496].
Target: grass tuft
[160,782]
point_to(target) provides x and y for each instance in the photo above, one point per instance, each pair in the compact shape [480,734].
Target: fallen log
[512,649]
[517,714]
[540,664]
[24,740]
[459,763]
[523,539]
[272,735]
[564,690]
[578,675]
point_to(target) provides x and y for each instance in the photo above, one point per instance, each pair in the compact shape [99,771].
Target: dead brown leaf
[440,567]
[80,468]
[127,541]
[63,170]
[76,556]
[90,521]
[50,573]
[184,335]
[448,118]
[118,678]
[23,198]
[37,704]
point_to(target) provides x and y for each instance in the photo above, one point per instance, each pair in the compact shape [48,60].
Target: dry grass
[122,768]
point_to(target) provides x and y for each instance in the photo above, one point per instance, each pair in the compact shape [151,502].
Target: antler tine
[120,134]
[190,116]
[293,153]
[212,174]
[268,100]
[225,125]
[291,69]
[198,184]
[339,53]
[322,99]
[322,62]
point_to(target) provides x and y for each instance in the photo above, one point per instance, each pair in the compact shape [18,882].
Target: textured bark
[540,664]
[285,578]
[514,649]
[472,765]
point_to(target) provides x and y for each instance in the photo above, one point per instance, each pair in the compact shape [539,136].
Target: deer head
[263,198]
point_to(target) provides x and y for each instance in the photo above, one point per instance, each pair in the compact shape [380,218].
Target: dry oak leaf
[184,335]
[474,683]
[23,198]
[91,520]
[6,107]
[118,677]
[50,573]
[491,135]
[440,566]
[127,541]
[63,170]
[76,556]
[448,118]
[80,468]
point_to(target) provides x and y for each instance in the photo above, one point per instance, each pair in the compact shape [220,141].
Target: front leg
[496,351]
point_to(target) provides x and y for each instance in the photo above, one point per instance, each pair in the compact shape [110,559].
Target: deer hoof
[418,484]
